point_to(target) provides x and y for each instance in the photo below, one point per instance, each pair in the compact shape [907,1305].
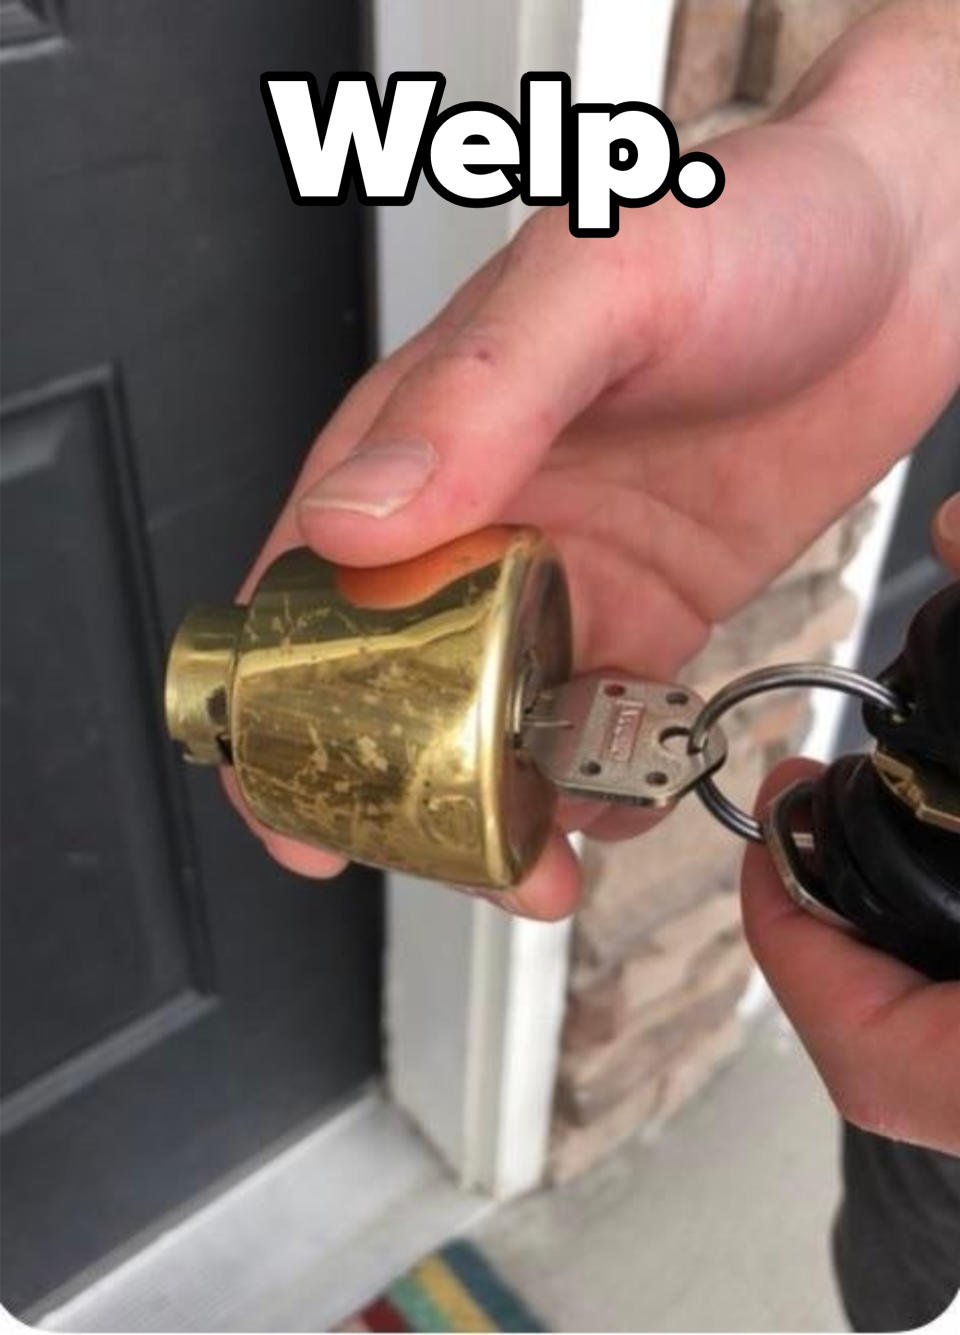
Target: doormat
[454,1289]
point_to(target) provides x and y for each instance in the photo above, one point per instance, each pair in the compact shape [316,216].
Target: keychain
[423,717]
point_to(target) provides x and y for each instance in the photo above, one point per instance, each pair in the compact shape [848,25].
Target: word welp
[592,156]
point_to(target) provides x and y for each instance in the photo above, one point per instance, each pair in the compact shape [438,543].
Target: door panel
[174,331]
[79,702]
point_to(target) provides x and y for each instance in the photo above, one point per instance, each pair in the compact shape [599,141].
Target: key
[616,739]
[873,844]
[870,866]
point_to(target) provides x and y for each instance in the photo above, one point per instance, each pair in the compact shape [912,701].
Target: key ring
[784,676]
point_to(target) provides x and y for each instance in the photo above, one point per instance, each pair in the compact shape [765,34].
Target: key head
[618,739]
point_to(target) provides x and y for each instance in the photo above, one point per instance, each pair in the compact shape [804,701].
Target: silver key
[617,739]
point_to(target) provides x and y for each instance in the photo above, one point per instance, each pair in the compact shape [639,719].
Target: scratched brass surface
[374,711]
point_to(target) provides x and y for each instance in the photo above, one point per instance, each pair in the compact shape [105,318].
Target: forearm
[850,198]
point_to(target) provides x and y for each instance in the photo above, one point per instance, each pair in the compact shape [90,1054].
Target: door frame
[474,999]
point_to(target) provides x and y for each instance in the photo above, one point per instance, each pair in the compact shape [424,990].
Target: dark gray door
[174,330]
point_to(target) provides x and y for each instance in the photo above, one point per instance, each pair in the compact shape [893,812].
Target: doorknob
[378,711]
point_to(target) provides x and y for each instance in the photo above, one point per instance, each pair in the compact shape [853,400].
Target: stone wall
[658,958]
[732,61]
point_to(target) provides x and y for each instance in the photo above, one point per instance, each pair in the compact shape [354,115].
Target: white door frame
[475,999]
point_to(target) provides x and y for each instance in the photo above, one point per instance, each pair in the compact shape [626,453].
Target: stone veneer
[658,960]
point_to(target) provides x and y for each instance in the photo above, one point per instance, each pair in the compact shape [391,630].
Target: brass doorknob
[377,711]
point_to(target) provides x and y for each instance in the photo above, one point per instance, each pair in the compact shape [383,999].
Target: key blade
[616,739]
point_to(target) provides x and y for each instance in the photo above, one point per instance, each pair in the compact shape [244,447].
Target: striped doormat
[454,1289]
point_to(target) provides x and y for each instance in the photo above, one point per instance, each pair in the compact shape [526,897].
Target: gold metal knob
[378,711]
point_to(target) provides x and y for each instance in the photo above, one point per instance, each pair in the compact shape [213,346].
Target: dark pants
[896,1240]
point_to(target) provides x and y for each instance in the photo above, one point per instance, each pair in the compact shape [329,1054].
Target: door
[174,330]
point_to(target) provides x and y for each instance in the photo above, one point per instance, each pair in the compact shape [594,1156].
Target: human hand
[683,408]
[884,1038]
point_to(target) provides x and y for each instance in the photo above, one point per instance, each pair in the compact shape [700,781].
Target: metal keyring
[782,677]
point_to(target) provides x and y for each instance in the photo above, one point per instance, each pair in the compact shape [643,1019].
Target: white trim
[623,50]
[519,991]
[474,1000]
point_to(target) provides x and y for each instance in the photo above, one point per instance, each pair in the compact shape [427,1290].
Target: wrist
[906,54]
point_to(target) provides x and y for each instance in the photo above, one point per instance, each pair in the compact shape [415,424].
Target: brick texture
[790,622]
[706,46]
[591,1080]
[695,1066]
[730,62]
[574,1148]
[600,1005]
[633,888]
[758,61]
[784,37]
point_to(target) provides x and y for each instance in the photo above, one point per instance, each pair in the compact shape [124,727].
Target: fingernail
[376,479]
[948,519]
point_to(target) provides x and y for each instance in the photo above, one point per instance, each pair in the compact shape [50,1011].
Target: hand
[884,1038]
[683,408]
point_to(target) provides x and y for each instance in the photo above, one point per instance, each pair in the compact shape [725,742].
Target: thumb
[821,975]
[946,532]
[470,421]
[881,1035]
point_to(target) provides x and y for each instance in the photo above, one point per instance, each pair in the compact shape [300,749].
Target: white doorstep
[298,1244]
